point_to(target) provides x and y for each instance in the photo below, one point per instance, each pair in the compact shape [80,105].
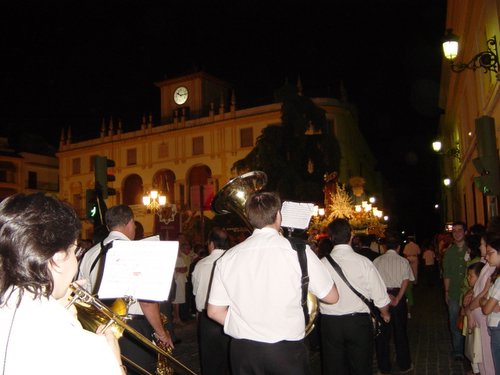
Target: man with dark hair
[213,342]
[146,314]
[397,274]
[364,249]
[454,268]
[346,327]
[256,294]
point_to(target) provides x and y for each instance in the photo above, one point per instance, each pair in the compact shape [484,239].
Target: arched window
[199,187]
[164,180]
[132,190]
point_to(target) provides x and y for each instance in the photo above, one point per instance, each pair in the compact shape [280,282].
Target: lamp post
[156,203]
[486,60]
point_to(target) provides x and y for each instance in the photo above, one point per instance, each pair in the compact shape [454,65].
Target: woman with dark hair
[490,303]
[40,335]
[475,316]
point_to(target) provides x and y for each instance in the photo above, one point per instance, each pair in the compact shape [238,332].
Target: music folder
[139,269]
[296,215]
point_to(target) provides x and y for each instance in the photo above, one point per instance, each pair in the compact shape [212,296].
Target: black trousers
[258,358]
[397,329]
[347,344]
[214,346]
[137,351]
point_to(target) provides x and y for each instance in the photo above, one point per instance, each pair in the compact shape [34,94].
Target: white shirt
[260,282]
[362,275]
[494,292]
[201,277]
[393,269]
[89,258]
[42,337]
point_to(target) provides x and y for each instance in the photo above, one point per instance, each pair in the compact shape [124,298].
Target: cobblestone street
[428,333]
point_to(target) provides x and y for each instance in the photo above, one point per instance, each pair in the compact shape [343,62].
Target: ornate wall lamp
[486,60]
[454,152]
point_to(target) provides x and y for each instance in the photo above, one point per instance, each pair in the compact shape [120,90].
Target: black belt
[137,317]
[354,314]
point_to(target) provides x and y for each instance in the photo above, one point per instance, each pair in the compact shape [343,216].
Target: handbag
[473,348]
[374,311]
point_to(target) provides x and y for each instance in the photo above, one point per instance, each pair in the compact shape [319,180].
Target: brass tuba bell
[231,198]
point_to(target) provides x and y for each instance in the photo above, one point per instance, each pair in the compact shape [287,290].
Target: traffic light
[91,207]
[487,162]
[101,165]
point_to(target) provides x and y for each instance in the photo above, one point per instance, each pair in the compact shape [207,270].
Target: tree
[296,155]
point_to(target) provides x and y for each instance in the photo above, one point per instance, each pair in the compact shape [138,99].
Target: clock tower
[191,95]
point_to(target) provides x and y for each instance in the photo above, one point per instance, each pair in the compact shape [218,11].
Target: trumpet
[92,313]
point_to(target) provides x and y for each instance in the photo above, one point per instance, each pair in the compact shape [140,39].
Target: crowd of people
[249,298]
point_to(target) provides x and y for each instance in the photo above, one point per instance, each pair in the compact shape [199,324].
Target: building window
[76,166]
[92,163]
[32,177]
[197,145]
[163,150]
[78,204]
[246,137]
[132,156]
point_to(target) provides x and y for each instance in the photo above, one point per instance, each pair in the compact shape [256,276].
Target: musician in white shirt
[346,327]
[256,295]
[40,335]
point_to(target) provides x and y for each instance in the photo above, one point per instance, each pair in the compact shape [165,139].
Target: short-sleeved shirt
[201,277]
[40,336]
[494,292]
[362,275]
[393,269]
[454,266]
[86,271]
[260,282]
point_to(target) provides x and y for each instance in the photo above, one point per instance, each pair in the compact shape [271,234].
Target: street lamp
[486,60]
[154,201]
[437,146]
[447,181]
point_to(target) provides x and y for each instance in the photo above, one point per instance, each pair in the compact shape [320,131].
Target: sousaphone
[231,198]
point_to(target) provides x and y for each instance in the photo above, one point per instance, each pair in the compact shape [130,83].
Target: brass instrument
[162,366]
[92,313]
[231,198]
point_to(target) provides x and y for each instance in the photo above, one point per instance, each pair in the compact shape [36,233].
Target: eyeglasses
[79,250]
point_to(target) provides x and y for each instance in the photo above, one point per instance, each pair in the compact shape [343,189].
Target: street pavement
[430,343]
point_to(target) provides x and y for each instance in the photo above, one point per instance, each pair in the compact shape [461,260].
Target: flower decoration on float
[364,218]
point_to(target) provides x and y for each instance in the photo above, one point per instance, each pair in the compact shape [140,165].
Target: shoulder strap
[299,246]
[100,269]
[339,271]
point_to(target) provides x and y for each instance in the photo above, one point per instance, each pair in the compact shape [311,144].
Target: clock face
[180,95]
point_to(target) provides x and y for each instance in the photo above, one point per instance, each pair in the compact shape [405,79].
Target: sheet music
[141,269]
[296,215]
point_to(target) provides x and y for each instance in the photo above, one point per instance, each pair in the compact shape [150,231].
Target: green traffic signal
[91,203]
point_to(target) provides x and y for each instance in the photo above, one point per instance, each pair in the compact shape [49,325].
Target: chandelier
[157,203]
[154,201]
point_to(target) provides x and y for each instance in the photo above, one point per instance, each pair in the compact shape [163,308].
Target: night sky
[74,63]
